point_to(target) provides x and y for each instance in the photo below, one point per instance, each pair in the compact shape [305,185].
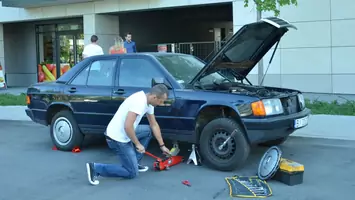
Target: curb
[319,126]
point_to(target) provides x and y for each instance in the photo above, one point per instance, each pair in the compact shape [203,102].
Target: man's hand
[165,150]
[140,148]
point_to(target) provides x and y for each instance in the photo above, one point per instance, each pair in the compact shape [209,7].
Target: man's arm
[155,128]
[128,127]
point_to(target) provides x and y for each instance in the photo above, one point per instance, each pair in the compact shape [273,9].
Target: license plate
[301,122]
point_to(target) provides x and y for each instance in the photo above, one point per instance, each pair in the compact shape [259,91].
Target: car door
[135,74]
[90,95]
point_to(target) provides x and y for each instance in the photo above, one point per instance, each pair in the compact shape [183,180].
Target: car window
[101,73]
[137,72]
[80,79]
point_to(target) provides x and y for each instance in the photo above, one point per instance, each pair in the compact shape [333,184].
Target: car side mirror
[156,81]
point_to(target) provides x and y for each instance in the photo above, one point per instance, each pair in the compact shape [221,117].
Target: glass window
[137,72]
[185,67]
[80,79]
[101,73]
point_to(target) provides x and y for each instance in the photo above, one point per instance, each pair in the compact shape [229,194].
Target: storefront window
[59,48]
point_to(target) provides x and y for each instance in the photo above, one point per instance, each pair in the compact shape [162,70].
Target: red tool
[166,163]
[186,182]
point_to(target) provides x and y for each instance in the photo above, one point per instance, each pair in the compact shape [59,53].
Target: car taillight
[28,99]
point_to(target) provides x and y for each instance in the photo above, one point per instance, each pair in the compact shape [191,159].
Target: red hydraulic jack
[163,164]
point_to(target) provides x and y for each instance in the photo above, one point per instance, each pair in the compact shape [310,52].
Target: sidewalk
[320,126]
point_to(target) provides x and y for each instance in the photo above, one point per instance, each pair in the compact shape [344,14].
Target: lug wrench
[225,142]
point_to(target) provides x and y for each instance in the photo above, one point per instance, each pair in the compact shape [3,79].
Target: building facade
[315,58]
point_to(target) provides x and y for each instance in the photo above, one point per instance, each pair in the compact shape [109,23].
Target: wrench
[225,142]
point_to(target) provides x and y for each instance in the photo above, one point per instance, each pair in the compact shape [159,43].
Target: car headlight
[267,107]
[301,101]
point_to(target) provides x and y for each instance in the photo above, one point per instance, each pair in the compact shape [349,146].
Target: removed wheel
[274,142]
[65,132]
[233,154]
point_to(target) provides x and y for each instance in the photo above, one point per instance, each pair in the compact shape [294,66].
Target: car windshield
[185,67]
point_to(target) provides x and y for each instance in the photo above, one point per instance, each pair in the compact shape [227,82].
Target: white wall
[318,56]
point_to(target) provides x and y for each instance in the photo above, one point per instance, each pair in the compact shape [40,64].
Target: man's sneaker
[92,177]
[142,168]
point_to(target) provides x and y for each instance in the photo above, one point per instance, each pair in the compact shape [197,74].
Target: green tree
[270,5]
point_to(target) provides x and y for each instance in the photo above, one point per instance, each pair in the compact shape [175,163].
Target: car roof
[135,54]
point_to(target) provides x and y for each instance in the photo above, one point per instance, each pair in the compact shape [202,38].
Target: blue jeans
[127,154]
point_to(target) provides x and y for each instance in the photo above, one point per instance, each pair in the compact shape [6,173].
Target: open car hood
[246,48]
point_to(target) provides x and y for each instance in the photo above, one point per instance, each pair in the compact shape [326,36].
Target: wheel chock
[54,148]
[76,150]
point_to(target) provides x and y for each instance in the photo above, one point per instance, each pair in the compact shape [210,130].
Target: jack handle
[151,155]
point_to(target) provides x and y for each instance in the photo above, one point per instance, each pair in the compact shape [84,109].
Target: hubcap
[62,131]
[228,150]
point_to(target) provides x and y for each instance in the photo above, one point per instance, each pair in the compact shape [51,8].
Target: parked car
[204,106]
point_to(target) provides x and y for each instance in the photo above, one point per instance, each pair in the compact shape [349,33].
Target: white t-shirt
[92,50]
[136,103]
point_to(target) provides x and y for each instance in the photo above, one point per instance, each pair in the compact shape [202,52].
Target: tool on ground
[289,172]
[226,141]
[186,182]
[247,187]
[175,150]
[269,163]
[165,163]
[194,156]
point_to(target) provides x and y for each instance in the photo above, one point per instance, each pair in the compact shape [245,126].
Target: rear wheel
[65,132]
[233,154]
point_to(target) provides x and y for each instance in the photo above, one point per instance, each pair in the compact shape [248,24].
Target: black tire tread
[77,138]
[242,151]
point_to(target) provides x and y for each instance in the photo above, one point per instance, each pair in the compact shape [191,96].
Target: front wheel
[65,132]
[233,154]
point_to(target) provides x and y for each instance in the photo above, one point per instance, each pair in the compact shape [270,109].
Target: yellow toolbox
[289,172]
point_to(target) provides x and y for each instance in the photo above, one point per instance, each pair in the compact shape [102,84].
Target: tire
[274,142]
[233,155]
[70,136]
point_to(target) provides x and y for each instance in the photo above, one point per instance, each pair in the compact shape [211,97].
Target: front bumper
[262,130]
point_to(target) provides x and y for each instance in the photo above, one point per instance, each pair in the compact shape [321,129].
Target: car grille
[290,105]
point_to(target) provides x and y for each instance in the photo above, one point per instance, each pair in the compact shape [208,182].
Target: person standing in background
[117,48]
[129,44]
[92,49]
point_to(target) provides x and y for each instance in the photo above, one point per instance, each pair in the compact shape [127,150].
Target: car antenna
[272,56]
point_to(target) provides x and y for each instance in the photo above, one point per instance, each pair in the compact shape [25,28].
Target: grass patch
[12,100]
[332,108]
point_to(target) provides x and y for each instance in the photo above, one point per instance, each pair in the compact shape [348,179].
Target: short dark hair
[94,38]
[128,33]
[159,90]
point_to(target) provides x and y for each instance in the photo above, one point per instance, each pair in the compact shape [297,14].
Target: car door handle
[119,91]
[72,90]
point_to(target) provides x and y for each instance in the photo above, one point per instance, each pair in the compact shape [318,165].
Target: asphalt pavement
[30,169]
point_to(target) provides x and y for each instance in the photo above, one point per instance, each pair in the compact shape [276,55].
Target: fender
[55,104]
[229,105]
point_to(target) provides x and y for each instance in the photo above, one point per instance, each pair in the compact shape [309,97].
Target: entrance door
[70,46]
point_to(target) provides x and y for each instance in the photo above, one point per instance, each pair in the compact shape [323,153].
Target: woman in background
[118,47]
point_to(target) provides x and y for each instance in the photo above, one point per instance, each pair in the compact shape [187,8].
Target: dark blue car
[207,101]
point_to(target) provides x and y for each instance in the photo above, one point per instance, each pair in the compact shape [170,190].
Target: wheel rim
[227,151]
[62,131]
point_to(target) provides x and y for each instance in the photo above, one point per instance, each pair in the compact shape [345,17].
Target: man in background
[92,49]
[130,45]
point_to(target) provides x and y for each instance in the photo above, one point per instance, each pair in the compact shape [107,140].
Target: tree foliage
[270,5]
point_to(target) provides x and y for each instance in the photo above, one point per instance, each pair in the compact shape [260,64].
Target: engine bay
[250,90]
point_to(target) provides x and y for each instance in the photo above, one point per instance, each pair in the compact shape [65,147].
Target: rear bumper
[262,130]
[29,113]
